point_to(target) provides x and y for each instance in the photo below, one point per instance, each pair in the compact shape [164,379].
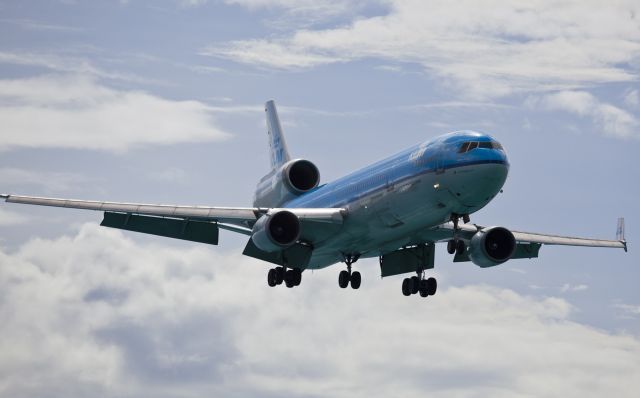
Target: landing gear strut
[347,276]
[418,284]
[455,245]
[291,277]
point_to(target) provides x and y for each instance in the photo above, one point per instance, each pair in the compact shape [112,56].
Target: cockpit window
[470,145]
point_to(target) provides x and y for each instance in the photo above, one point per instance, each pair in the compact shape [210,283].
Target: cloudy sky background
[161,101]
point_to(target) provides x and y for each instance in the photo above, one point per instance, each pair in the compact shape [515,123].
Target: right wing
[172,218]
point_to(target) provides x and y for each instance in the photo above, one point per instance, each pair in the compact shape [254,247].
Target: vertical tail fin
[277,145]
[620,230]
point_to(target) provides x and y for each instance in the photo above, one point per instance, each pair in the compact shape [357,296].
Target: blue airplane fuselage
[396,201]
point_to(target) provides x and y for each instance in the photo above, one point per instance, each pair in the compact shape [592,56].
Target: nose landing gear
[347,276]
[456,245]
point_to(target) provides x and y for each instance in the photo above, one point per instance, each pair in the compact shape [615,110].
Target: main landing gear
[346,276]
[455,245]
[291,277]
[418,284]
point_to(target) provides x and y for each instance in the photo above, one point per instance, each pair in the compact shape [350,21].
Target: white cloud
[314,8]
[632,99]
[49,181]
[567,287]
[486,50]
[67,63]
[77,112]
[98,314]
[612,120]
[628,311]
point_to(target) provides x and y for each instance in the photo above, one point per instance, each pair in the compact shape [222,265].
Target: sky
[162,102]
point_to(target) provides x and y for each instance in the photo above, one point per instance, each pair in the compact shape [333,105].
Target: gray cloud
[99,314]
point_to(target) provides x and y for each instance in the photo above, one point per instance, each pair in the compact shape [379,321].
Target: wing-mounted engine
[491,246]
[285,183]
[276,231]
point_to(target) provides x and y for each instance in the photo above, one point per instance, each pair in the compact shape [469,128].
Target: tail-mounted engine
[491,246]
[292,179]
[276,231]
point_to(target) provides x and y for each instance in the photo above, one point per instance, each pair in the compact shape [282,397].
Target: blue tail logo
[277,144]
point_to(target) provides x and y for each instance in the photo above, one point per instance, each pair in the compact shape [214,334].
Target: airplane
[396,210]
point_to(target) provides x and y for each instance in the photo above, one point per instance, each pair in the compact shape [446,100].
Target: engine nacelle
[292,179]
[300,176]
[276,231]
[491,246]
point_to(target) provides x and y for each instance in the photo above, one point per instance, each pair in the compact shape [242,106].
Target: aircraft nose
[475,186]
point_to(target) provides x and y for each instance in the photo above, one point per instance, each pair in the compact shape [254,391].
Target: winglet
[620,233]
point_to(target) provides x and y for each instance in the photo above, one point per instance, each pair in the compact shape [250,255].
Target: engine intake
[301,175]
[276,231]
[491,246]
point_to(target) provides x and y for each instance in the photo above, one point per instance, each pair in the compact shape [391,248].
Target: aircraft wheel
[343,279]
[406,287]
[424,288]
[290,278]
[460,246]
[356,279]
[279,275]
[271,277]
[432,286]
[415,284]
[297,276]
[451,246]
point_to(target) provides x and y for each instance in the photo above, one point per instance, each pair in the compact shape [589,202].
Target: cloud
[99,314]
[567,287]
[612,120]
[485,51]
[628,311]
[315,9]
[632,99]
[77,112]
[49,181]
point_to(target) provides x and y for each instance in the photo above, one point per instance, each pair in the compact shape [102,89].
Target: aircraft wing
[242,217]
[468,230]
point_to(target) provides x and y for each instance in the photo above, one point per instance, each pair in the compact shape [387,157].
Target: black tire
[432,286]
[415,284]
[451,246]
[271,277]
[289,278]
[406,287]
[297,273]
[424,288]
[465,218]
[356,280]
[279,275]
[460,247]
[343,279]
